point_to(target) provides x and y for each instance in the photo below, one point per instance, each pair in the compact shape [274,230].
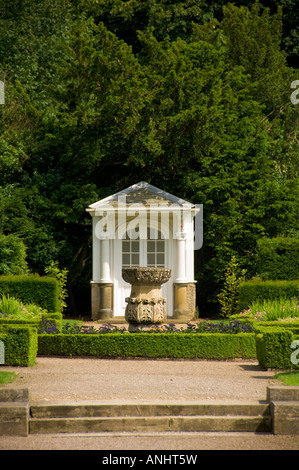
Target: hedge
[55,318]
[278,258]
[20,343]
[42,291]
[251,291]
[171,345]
[270,344]
[292,326]
[273,347]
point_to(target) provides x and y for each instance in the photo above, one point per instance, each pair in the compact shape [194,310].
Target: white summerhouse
[143,226]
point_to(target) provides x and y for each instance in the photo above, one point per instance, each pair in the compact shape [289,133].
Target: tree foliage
[193,96]
[12,255]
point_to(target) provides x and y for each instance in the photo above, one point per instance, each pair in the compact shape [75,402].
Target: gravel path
[143,381]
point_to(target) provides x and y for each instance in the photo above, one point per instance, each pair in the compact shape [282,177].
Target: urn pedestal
[145,306]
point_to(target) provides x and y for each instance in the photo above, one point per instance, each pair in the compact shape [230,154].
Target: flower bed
[272,310]
[232,327]
[14,312]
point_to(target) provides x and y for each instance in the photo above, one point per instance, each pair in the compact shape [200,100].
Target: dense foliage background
[192,96]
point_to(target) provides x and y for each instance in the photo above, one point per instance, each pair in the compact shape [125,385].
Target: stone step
[74,409]
[151,424]
[97,417]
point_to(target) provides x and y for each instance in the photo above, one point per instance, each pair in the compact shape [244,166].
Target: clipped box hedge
[292,326]
[55,318]
[273,347]
[168,345]
[42,291]
[251,291]
[20,343]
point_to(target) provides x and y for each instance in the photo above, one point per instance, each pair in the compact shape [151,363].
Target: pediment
[140,193]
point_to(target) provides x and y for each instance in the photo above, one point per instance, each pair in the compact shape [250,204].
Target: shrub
[61,276]
[20,344]
[228,297]
[278,258]
[273,347]
[184,345]
[251,291]
[42,291]
[289,326]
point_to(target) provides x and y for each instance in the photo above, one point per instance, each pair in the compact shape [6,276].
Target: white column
[105,261]
[100,256]
[189,229]
[96,274]
[181,257]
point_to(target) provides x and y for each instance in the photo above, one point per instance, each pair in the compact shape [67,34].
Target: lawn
[288,378]
[7,377]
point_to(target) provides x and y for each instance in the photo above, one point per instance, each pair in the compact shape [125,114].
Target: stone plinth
[145,306]
[184,301]
[101,301]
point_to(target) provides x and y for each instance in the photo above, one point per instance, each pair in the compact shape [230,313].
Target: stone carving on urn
[145,306]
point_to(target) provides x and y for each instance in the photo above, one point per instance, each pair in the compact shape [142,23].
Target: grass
[7,377]
[288,378]
[273,310]
[72,322]
[13,308]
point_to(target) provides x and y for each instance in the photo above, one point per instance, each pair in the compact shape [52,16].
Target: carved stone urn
[145,306]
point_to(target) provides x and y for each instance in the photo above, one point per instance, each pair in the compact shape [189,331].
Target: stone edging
[14,411]
[284,407]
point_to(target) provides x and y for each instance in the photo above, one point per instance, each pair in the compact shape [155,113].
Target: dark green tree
[191,96]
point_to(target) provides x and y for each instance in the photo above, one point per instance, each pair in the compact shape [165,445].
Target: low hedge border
[54,318]
[270,344]
[20,343]
[273,347]
[167,345]
[290,326]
